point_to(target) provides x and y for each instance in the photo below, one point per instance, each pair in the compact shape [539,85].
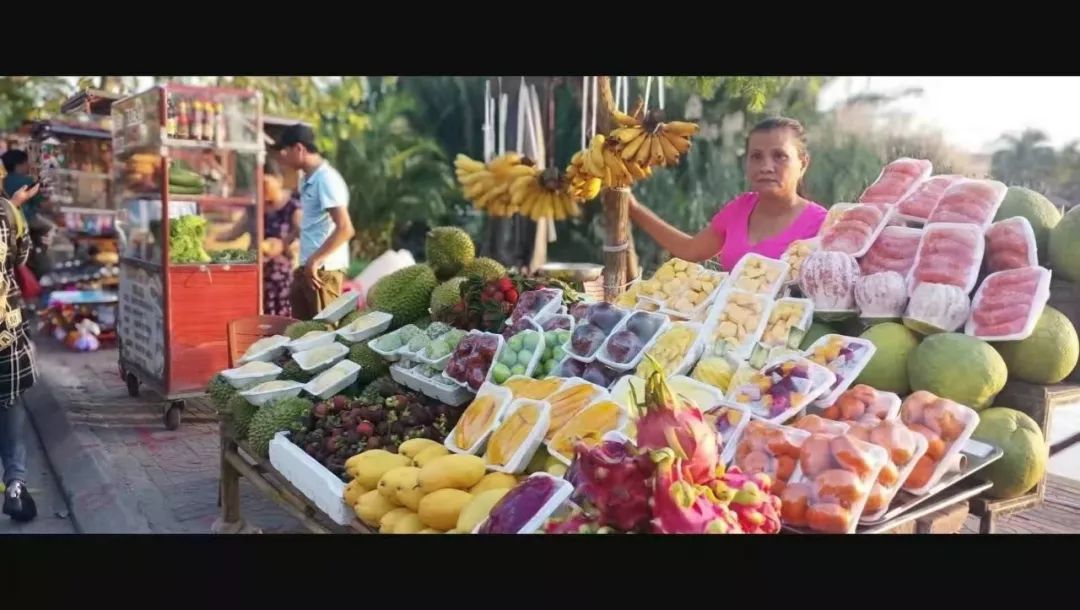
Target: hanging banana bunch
[602,160]
[650,141]
[547,195]
[488,186]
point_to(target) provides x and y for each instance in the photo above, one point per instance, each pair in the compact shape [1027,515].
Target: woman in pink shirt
[766,219]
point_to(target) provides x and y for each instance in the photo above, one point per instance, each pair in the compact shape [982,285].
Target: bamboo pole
[618,244]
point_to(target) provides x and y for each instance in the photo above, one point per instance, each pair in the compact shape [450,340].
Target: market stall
[196,152]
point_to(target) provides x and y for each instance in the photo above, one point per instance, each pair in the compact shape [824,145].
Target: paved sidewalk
[53,517]
[118,467]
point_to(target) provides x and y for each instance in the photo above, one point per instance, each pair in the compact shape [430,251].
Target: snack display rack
[176,299]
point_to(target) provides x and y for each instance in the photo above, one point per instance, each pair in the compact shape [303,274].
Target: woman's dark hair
[14,158]
[796,128]
[271,168]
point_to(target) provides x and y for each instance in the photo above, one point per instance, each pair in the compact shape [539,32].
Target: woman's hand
[25,194]
[272,247]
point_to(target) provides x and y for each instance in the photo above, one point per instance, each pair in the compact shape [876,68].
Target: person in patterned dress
[280,245]
[17,364]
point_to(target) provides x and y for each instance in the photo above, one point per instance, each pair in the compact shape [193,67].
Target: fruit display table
[1065,297]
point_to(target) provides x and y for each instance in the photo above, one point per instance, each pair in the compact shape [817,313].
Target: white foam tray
[310,478]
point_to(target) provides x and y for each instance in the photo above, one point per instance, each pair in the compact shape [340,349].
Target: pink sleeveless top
[733,221]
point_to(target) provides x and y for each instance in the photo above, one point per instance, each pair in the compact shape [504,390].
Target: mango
[364,456]
[353,491]
[478,508]
[495,480]
[372,506]
[440,509]
[386,524]
[397,479]
[369,471]
[429,454]
[451,471]
[430,530]
[414,446]
[409,524]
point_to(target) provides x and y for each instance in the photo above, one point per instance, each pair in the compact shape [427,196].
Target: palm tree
[1025,160]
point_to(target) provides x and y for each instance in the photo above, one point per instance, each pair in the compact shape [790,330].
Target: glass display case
[196,152]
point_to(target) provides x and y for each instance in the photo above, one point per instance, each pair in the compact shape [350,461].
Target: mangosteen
[409,419]
[340,403]
[374,442]
[425,416]
[431,432]
[311,449]
[331,444]
[320,410]
[356,413]
[356,404]
[397,427]
[351,436]
[377,415]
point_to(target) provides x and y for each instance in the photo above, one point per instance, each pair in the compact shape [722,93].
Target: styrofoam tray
[524,453]
[803,322]
[814,243]
[886,403]
[534,359]
[877,457]
[464,384]
[666,307]
[351,370]
[562,492]
[503,398]
[820,379]
[310,478]
[439,363]
[770,290]
[306,363]
[588,358]
[241,381]
[692,354]
[620,423]
[382,322]
[918,191]
[904,472]
[1038,302]
[886,217]
[997,197]
[794,436]
[952,452]
[845,375]
[339,307]
[402,376]
[271,352]
[391,355]
[980,250]
[702,394]
[927,169]
[836,210]
[891,231]
[550,308]
[729,435]
[1024,226]
[741,351]
[261,398]
[605,359]
[303,345]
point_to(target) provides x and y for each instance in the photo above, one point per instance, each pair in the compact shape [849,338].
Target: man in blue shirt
[325,225]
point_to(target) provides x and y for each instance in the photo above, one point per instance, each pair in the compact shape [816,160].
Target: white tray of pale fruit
[758,274]
[676,351]
[680,288]
[736,322]
[797,252]
[786,314]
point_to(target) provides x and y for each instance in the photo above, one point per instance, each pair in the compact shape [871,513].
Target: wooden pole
[616,204]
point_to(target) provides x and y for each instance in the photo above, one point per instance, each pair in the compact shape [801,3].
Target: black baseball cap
[296,134]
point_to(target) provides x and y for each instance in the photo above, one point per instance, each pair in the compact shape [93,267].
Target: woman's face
[773,164]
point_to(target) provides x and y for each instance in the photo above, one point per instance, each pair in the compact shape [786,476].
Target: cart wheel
[132,385]
[172,415]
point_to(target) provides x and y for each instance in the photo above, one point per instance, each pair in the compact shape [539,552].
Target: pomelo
[1048,355]
[958,367]
[1026,451]
[1039,211]
[887,370]
[1065,246]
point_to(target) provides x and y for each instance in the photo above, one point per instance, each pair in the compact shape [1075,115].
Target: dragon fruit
[680,507]
[749,497]
[577,522]
[612,480]
[667,421]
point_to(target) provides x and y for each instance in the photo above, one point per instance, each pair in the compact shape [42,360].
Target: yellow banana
[596,156]
[474,178]
[635,170]
[631,148]
[626,134]
[521,170]
[625,119]
[681,128]
[657,153]
[679,143]
[671,156]
[642,156]
[468,164]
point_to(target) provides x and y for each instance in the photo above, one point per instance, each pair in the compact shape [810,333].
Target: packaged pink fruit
[856,230]
[904,447]
[949,253]
[917,205]
[969,202]
[1008,304]
[893,250]
[1010,244]
[896,180]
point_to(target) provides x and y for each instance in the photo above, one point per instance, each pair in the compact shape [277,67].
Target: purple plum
[623,346]
[605,316]
[586,340]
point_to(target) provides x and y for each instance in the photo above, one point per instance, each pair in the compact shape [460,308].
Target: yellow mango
[440,509]
[413,446]
[353,491]
[587,426]
[410,497]
[371,507]
[474,422]
[409,524]
[429,454]
[496,480]
[386,524]
[370,471]
[430,530]
[478,509]
[363,456]
[451,471]
[395,479]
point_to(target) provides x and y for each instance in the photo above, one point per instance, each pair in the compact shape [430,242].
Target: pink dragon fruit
[749,497]
[577,522]
[612,481]
[667,421]
[680,507]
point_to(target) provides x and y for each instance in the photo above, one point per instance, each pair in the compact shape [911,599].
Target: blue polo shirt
[321,191]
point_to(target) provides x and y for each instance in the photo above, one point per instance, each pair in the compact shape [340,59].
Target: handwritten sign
[141,323]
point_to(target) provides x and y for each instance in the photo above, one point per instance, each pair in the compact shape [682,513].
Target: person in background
[765,220]
[281,227]
[325,226]
[18,370]
[17,165]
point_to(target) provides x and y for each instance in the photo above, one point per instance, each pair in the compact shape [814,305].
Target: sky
[973,111]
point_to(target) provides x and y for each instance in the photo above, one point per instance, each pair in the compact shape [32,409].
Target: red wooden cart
[173,316]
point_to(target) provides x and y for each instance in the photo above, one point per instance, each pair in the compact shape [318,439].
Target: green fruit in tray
[419,342]
[514,343]
[437,349]
[500,373]
[389,343]
[518,370]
